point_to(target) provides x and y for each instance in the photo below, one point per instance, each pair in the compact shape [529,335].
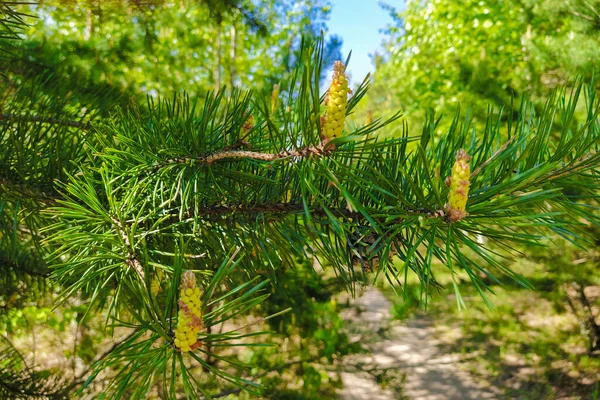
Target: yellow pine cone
[336,103]
[459,183]
[189,317]
[274,98]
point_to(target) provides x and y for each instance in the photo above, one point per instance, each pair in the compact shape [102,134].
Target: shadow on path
[405,352]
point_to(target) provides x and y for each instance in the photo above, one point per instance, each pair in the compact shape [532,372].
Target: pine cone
[189,322]
[336,102]
[459,187]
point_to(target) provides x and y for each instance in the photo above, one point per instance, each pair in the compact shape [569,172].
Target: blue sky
[359,23]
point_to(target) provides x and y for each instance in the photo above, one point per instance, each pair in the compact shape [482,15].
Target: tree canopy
[442,53]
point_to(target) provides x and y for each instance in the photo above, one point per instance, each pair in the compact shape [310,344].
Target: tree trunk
[593,329]
[232,60]
[218,66]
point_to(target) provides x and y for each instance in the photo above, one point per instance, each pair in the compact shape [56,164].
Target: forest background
[439,57]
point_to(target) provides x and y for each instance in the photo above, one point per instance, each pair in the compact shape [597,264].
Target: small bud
[459,183]
[156,282]
[369,117]
[274,98]
[248,125]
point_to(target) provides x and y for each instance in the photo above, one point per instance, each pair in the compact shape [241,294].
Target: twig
[275,208]
[46,120]
[132,259]
[587,17]
[489,160]
[80,377]
[24,190]
[322,149]
[302,152]
[571,168]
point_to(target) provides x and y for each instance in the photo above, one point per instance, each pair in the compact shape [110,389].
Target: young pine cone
[336,103]
[459,183]
[189,318]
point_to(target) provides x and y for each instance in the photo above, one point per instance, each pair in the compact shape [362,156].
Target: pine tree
[180,216]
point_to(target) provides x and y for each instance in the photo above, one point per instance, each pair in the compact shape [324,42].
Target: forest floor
[402,359]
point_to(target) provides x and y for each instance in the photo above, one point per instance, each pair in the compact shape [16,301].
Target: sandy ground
[403,360]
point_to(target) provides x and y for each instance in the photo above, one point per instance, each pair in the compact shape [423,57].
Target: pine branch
[132,260]
[23,189]
[318,151]
[47,120]
[378,199]
[304,152]
[275,208]
[283,210]
[489,160]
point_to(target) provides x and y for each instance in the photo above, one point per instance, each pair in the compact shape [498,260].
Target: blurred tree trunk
[218,65]
[232,61]
[585,314]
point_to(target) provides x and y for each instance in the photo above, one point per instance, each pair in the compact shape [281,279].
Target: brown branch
[132,260]
[26,190]
[279,211]
[295,208]
[302,152]
[46,120]
[571,169]
[321,150]
[276,208]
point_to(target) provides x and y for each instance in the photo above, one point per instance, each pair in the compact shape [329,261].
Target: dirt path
[402,357]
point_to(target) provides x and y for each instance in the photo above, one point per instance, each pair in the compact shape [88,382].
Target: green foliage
[12,23]
[443,53]
[147,48]
[189,172]
[116,197]
[42,131]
